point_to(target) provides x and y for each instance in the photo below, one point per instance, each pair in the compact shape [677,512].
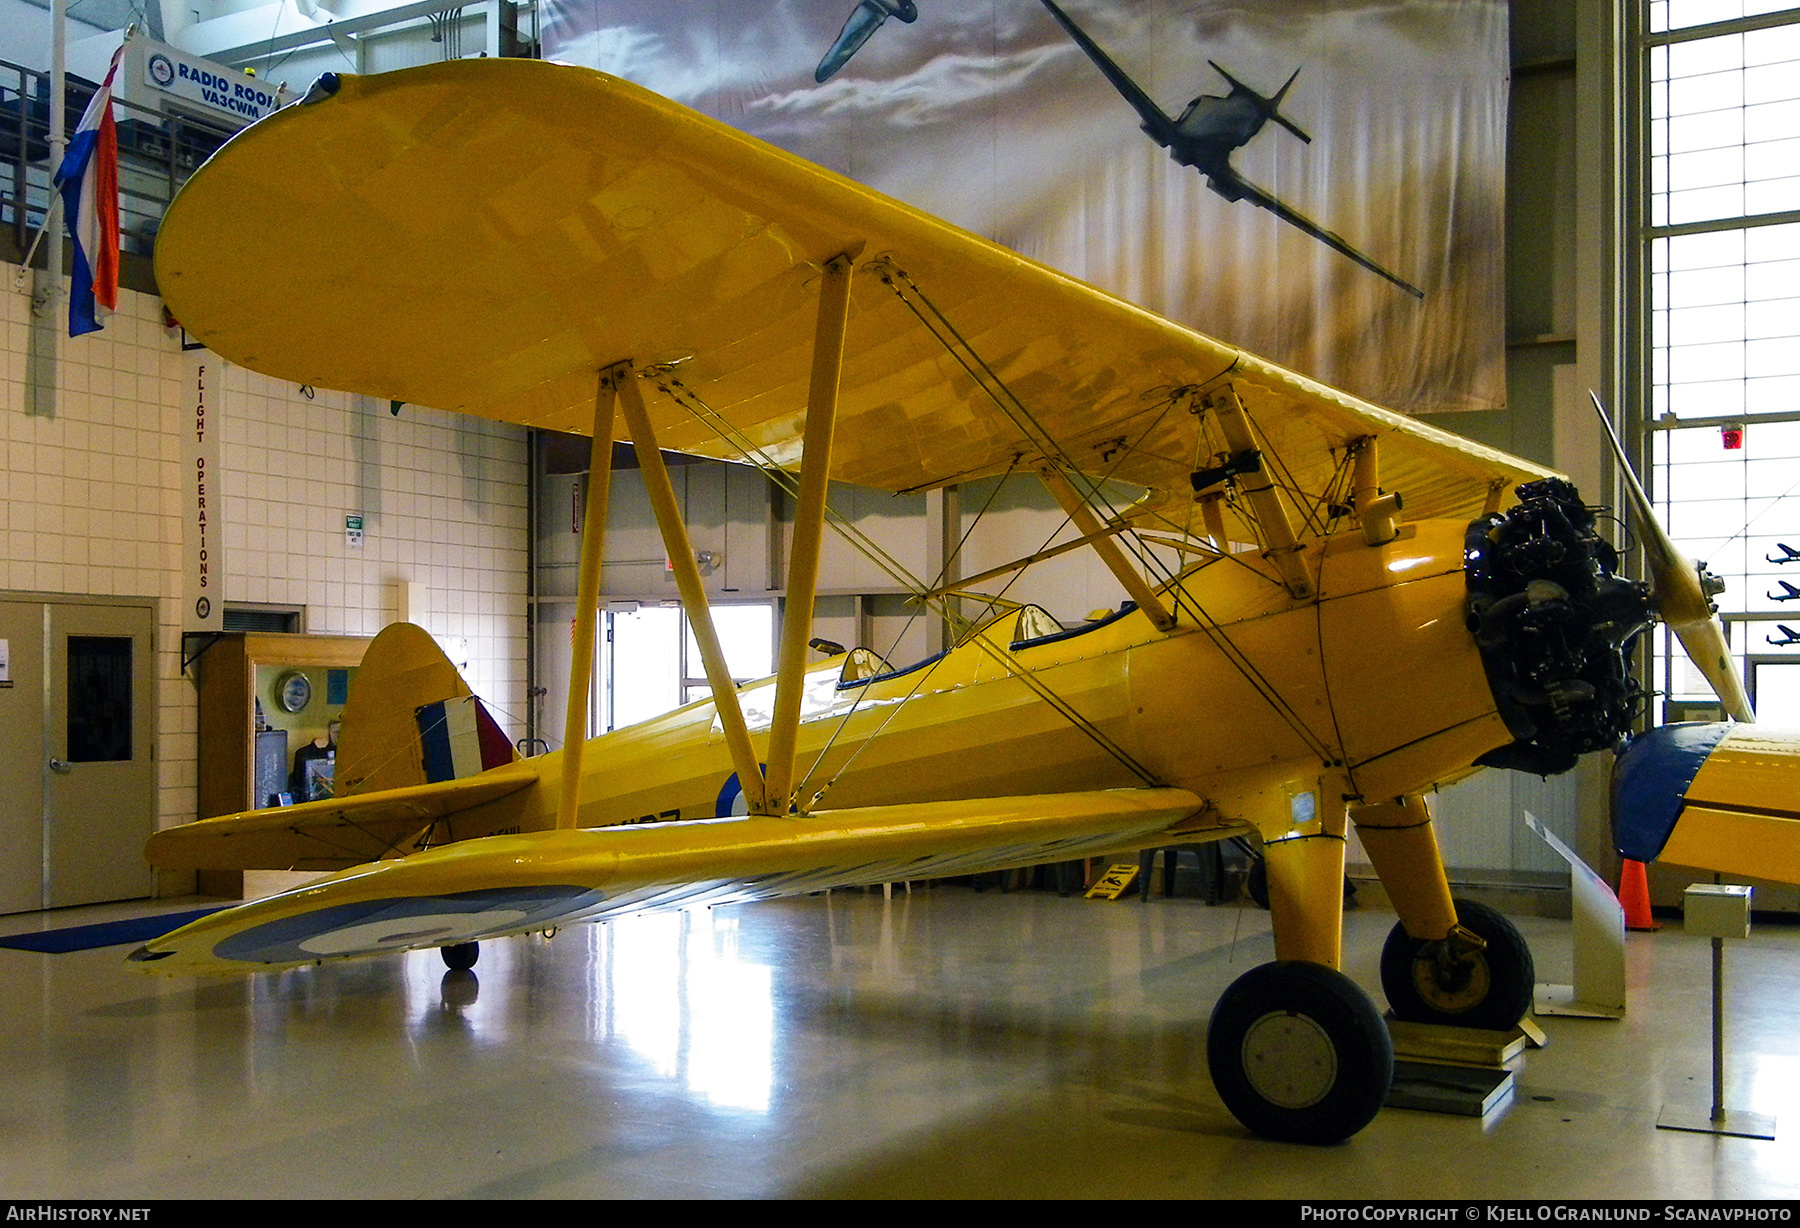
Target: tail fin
[412,720]
[1270,107]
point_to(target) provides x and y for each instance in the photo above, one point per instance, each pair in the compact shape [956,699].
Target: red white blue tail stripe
[458,738]
[89,182]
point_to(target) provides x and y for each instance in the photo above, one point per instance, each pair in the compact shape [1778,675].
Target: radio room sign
[209,86]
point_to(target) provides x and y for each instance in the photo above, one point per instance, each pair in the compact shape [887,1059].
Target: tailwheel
[1299,1054]
[1481,976]
[461,956]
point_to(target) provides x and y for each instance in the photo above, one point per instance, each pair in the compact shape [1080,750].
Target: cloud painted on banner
[988,115]
[942,89]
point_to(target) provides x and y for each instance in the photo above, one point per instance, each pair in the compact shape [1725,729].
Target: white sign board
[206,86]
[159,78]
[202,535]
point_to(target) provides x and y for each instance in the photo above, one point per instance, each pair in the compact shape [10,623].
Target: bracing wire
[995,389]
[939,325]
[689,400]
[958,346]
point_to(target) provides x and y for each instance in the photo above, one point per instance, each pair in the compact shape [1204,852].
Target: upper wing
[488,888]
[1236,187]
[485,235]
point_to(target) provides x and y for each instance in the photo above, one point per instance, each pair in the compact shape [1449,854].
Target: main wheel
[1299,1054]
[1432,982]
[461,956]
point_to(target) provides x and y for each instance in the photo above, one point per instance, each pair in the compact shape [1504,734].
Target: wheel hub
[1289,1060]
[1452,987]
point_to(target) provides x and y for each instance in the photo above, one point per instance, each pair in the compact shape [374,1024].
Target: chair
[1207,859]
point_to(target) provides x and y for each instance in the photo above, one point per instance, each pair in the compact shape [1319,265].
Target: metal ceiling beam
[238,37]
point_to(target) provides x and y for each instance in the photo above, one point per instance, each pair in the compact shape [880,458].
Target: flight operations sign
[202,538]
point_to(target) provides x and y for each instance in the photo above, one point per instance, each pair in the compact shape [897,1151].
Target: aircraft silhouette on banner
[1210,129]
[1315,658]
[866,18]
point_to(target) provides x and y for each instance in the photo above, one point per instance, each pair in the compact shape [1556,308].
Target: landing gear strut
[1299,1054]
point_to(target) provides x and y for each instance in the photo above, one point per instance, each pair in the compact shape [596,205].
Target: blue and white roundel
[732,802]
[372,926]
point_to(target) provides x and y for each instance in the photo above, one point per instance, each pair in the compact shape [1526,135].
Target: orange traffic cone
[1634,896]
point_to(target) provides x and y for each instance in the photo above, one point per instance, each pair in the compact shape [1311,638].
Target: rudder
[412,720]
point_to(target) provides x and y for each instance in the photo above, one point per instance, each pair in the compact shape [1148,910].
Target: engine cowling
[1556,625]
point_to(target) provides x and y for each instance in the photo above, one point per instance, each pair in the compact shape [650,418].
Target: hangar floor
[950,1044]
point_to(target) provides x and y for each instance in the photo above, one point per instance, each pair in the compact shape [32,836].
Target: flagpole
[59,145]
[57,121]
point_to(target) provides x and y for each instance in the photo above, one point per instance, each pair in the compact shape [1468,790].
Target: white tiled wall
[90,496]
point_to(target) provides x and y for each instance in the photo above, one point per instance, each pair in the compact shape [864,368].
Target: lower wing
[515,884]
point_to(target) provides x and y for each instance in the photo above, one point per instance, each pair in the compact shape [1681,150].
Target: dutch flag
[89,182]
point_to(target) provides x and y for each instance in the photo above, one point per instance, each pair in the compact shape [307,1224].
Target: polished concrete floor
[946,1044]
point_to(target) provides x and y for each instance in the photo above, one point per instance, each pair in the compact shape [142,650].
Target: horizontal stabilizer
[501,885]
[332,834]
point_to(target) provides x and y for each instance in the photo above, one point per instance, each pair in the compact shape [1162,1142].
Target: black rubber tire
[1299,1054]
[460,957]
[1494,990]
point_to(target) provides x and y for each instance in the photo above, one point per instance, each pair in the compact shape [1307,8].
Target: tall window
[1721,246]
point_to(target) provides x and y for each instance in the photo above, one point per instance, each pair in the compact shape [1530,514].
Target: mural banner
[1318,182]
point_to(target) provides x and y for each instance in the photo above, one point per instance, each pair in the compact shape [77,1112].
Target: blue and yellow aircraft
[553,247]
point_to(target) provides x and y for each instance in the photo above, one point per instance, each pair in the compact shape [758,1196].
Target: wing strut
[693,592]
[1090,528]
[1111,528]
[1272,523]
[587,602]
[809,527]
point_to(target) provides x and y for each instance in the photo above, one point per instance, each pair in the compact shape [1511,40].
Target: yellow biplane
[553,247]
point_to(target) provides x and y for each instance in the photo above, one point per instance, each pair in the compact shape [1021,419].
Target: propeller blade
[1681,595]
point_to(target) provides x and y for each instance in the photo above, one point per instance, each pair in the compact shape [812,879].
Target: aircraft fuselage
[1228,123]
[1376,680]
